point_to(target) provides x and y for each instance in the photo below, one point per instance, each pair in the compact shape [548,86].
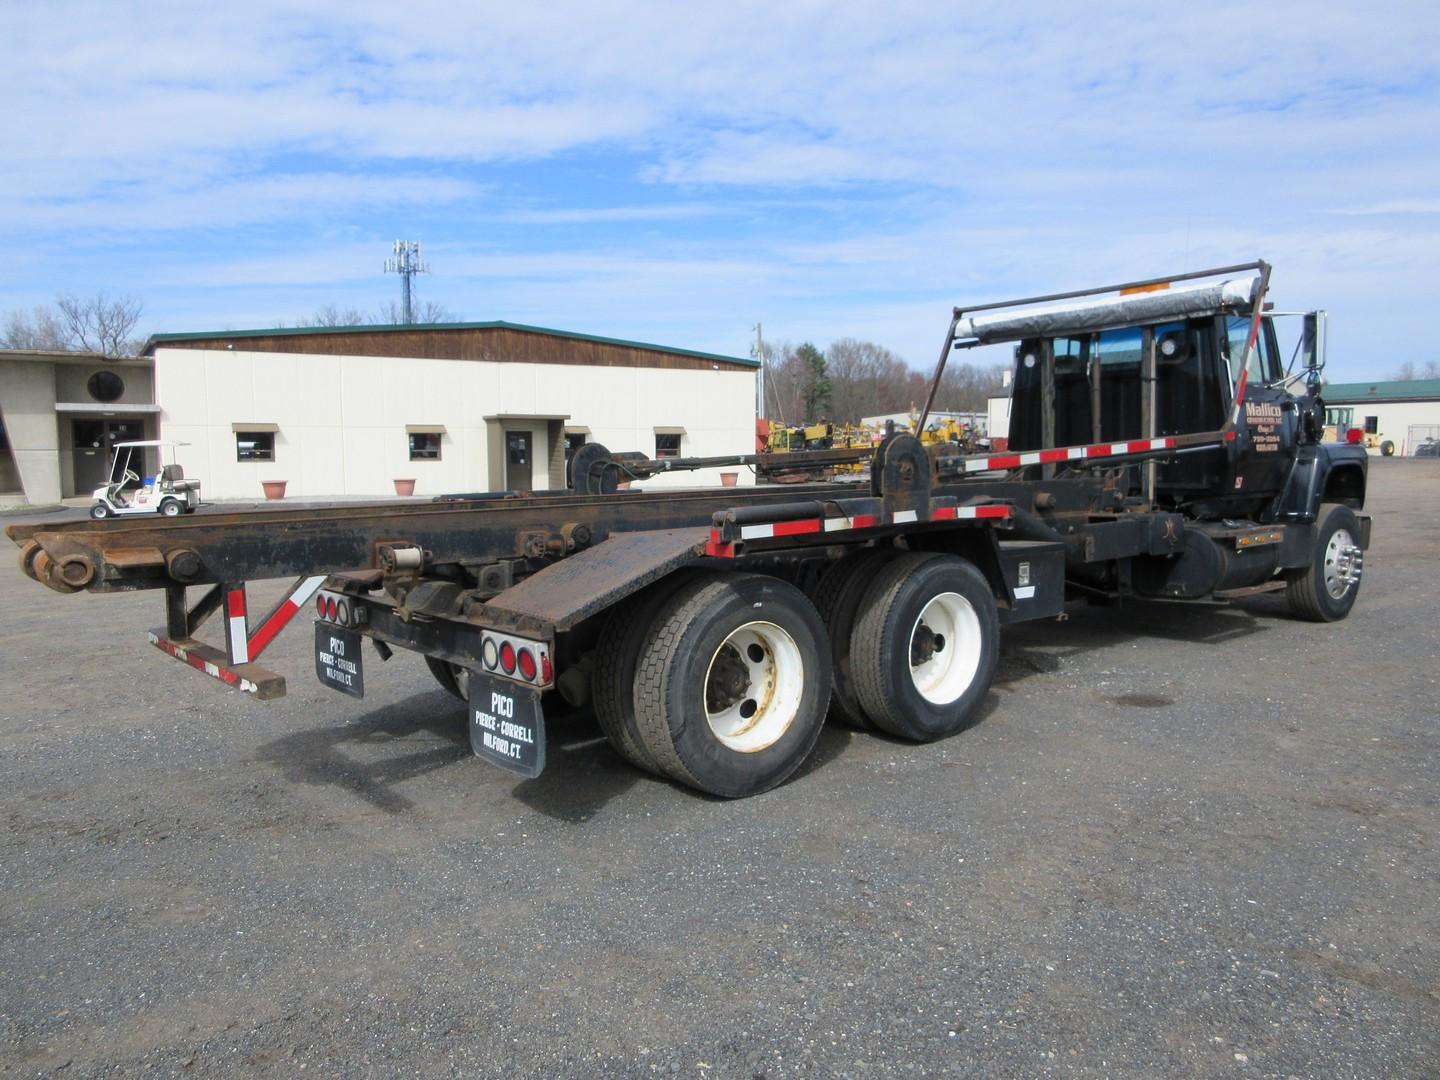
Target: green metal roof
[380,328]
[1389,390]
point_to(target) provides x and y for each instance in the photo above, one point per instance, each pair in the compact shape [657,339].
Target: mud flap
[507,725]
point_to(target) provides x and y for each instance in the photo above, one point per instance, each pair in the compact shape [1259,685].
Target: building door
[87,439]
[94,441]
[518,475]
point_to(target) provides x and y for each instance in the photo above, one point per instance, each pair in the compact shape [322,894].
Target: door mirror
[1312,343]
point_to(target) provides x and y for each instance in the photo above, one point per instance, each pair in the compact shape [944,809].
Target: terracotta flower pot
[274,489]
[729,479]
[404,487]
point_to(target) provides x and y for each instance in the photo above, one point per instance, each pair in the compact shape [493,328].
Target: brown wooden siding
[499,344]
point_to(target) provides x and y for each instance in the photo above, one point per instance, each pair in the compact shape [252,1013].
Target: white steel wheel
[924,645]
[732,683]
[753,687]
[945,648]
[1342,563]
[1326,590]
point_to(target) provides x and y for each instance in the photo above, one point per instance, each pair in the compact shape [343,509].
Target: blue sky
[676,173]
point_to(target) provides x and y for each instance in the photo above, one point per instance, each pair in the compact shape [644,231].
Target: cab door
[1265,437]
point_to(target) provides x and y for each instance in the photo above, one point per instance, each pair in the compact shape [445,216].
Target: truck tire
[613,685]
[732,684]
[452,677]
[1325,590]
[837,599]
[925,645]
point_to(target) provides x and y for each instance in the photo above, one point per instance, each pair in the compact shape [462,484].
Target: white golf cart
[169,493]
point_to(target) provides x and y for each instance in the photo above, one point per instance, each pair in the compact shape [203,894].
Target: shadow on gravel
[1042,647]
[321,755]
[582,771]
[583,774]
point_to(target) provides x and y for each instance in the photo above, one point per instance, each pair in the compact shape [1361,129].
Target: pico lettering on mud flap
[506,730]
[337,660]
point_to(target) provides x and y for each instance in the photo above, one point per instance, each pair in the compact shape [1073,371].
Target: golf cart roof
[148,442]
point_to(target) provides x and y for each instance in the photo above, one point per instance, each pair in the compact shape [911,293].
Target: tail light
[346,611]
[522,659]
[1354,436]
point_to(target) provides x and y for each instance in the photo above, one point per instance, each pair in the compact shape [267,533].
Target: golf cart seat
[171,473]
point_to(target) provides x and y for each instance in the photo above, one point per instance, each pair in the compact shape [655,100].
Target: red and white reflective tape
[859,521]
[237,632]
[772,529]
[1066,453]
[963,513]
[1239,398]
[199,663]
[267,630]
[806,526]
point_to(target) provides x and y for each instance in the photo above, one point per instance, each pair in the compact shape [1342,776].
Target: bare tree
[867,379]
[101,323]
[40,330]
[1411,370]
[332,316]
[422,311]
[328,315]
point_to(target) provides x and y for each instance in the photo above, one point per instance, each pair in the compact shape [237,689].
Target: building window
[667,445]
[573,441]
[106,386]
[424,446]
[1372,425]
[254,446]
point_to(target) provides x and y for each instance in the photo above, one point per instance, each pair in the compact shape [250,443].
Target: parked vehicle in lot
[167,493]
[1156,449]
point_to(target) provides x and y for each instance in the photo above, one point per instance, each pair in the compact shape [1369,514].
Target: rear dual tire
[453,678]
[924,646]
[731,685]
[837,599]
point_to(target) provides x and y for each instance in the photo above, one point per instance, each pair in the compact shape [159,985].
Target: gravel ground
[1183,841]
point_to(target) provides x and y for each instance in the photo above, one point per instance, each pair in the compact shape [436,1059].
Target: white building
[455,407]
[60,413]
[347,411]
[1403,412]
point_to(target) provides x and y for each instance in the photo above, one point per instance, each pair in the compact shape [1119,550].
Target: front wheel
[99,511]
[925,645]
[732,684]
[1325,590]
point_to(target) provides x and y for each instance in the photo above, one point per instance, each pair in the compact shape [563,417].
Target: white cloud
[832,169]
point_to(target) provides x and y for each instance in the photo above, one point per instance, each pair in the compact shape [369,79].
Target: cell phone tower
[406,262]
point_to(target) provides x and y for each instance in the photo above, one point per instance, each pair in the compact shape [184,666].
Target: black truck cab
[1179,377]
